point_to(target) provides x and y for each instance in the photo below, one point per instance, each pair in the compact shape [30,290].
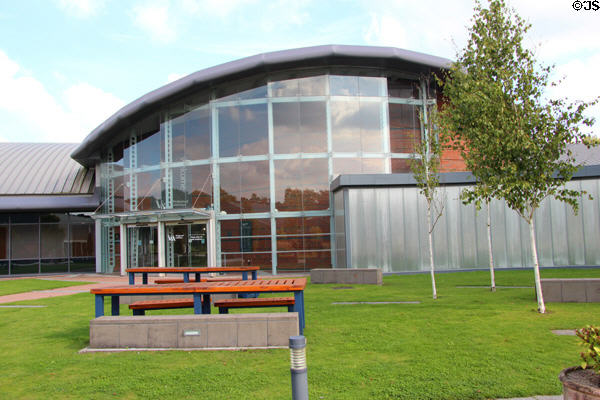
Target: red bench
[140,307]
[226,304]
[215,279]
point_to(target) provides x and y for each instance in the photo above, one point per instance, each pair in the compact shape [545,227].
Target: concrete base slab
[211,331]
[369,276]
[92,350]
[574,290]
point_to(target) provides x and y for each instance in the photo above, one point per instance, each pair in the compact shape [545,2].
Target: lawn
[14,286]
[468,344]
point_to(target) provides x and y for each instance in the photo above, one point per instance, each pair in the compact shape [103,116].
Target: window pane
[198,134]
[149,190]
[149,149]
[345,126]
[29,218]
[290,243]
[82,240]
[3,267]
[371,133]
[343,85]
[83,264]
[371,86]
[313,127]
[314,225]
[373,165]
[54,218]
[54,241]
[254,178]
[200,189]
[3,242]
[286,127]
[317,242]
[293,260]
[400,165]
[24,241]
[313,86]
[243,130]
[346,166]
[403,88]
[315,184]
[405,128]
[317,259]
[54,265]
[24,267]
[119,193]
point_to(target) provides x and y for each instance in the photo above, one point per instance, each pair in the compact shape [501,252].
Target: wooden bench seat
[140,307]
[215,279]
[226,304]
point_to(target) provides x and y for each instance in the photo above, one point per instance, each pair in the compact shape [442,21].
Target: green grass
[14,286]
[468,344]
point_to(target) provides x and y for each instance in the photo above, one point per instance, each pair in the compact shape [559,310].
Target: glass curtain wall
[35,243]
[261,155]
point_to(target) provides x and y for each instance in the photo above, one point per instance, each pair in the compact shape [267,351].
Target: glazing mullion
[272,185]
[216,178]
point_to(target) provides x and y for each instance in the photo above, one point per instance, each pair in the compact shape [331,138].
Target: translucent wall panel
[300,127]
[243,130]
[340,229]
[388,229]
[301,184]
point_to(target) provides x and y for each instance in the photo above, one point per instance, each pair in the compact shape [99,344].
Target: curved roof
[42,169]
[318,56]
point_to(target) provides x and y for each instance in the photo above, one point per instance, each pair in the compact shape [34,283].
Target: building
[288,160]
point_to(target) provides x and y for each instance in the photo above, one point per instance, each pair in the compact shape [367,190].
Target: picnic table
[202,291]
[186,271]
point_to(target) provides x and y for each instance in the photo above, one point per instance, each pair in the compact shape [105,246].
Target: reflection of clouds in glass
[356,126]
[310,86]
[246,184]
[301,184]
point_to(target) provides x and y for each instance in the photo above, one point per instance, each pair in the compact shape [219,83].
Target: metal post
[298,370]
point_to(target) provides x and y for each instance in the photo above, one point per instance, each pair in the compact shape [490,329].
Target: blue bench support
[299,308]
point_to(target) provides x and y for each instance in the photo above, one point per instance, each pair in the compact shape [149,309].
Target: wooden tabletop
[248,286]
[192,269]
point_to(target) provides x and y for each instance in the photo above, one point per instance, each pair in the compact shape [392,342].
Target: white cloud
[385,30]
[174,76]
[154,19]
[213,8]
[81,8]
[27,100]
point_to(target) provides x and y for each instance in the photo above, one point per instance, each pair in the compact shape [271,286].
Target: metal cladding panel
[42,169]
[388,231]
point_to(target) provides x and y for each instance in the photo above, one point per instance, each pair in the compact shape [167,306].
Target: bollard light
[298,368]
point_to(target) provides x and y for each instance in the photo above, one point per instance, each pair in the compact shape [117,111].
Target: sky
[68,65]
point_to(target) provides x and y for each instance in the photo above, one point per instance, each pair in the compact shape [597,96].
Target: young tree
[512,138]
[425,168]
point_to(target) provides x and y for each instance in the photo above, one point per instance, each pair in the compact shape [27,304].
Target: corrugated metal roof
[42,169]
[306,57]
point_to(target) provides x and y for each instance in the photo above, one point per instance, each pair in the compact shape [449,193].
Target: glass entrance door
[142,244]
[186,245]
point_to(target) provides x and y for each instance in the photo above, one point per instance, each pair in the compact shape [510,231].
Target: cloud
[213,8]
[154,19]
[174,76]
[44,117]
[385,30]
[81,8]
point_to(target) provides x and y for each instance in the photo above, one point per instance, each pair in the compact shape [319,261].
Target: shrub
[590,337]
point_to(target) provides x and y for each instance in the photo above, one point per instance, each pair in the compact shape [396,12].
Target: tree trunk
[429,232]
[536,268]
[489,234]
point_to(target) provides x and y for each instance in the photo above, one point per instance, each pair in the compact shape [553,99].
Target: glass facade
[260,154]
[35,243]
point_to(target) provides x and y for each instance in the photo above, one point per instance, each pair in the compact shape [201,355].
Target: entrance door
[186,245]
[142,244]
